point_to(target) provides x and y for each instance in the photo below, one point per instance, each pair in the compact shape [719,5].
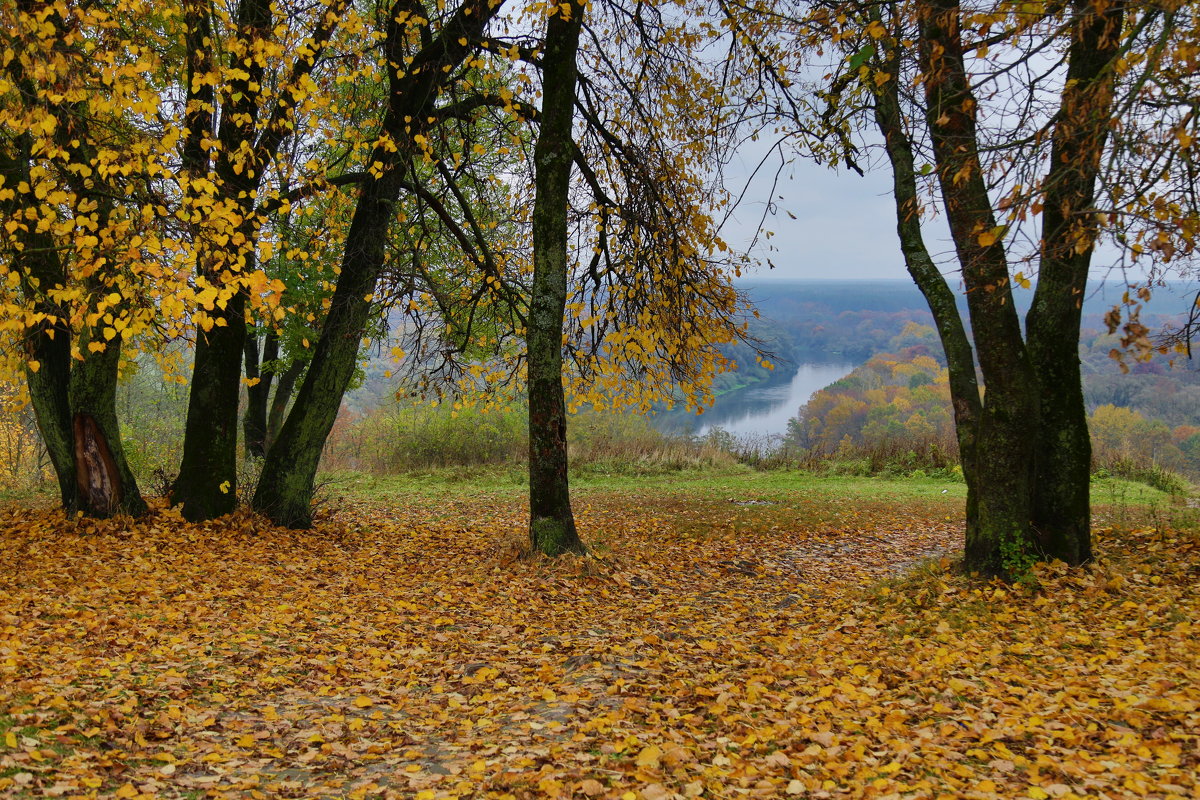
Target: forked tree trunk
[1002,540]
[74,401]
[551,523]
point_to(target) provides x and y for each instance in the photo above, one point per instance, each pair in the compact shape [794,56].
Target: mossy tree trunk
[960,356]
[551,523]
[48,363]
[1001,542]
[1032,449]
[74,400]
[415,83]
[1061,510]
[106,484]
[207,482]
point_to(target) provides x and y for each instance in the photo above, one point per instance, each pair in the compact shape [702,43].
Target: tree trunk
[551,523]
[960,357]
[74,402]
[1061,511]
[99,453]
[279,401]
[1002,542]
[254,423]
[207,480]
[48,342]
[285,487]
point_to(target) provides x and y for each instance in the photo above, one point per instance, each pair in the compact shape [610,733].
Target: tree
[1018,136]
[551,524]
[227,153]
[416,81]
[81,237]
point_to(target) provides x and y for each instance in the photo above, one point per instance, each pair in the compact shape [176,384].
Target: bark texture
[1001,542]
[960,356]
[551,523]
[71,398]
[1061,508]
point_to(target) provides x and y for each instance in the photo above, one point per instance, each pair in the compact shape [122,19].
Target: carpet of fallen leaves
[709,648]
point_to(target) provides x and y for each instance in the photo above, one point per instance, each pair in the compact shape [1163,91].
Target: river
[760,409]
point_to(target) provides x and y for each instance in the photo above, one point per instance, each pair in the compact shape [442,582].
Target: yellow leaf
[127,791]
[224,487]
[649,756]
[987,239]
[10,739]
[362,701]
[1038,793]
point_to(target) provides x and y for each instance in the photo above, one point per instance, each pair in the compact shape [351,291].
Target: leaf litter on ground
[704,649]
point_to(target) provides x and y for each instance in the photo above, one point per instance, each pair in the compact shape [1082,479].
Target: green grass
[735,481]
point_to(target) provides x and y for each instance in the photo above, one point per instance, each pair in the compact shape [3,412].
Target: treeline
[897,406]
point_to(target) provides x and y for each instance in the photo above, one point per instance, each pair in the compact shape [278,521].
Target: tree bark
[71,397]
[207,480]
[285,487]
[551,523]
[960,357]
[254,422]
[48,346]
[93,398]
[283,394]
[1002,542]
[1061,506]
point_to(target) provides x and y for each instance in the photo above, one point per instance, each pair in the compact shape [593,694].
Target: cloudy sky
[845,225]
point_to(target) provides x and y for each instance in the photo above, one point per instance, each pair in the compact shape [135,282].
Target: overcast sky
[845,225]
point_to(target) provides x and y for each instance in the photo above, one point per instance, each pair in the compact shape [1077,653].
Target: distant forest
[804,321]
[899,391]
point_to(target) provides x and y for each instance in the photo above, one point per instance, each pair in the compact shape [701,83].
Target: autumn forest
[336,338]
